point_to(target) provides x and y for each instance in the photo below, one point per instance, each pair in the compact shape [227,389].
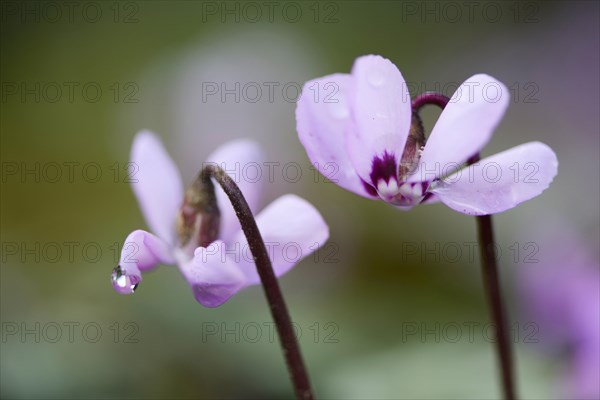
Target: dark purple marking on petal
[425,198]
[370,189]
[426,195]
[384,168]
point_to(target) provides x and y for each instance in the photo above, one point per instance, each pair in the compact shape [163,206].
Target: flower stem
[279,311]
[425,98]
[489,268]
[492,285]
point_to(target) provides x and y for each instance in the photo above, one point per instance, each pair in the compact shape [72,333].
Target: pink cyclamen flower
[359,130]
[218,271]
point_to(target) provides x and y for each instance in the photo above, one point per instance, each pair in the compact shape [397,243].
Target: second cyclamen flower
[370,132]
[210,250]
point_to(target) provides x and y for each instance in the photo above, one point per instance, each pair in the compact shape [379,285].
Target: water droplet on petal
[339,109]
[376,78]
[123,283]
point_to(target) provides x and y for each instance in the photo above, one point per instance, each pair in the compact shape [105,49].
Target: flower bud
[414,147]
[199,216]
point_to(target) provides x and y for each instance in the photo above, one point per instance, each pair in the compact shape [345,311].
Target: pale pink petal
[464,127]
[213,275]
[141,252]
[499,182]
[156,184]
[243,161]
[382,114]
[322,117]
[291,228]
[146,250]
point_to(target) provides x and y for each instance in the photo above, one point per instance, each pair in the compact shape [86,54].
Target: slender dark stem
[424,98]
[279,312]
[489,269]
[492,286]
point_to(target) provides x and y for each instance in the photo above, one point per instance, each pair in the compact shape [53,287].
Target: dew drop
[376,78]
[123,283]
[339,110]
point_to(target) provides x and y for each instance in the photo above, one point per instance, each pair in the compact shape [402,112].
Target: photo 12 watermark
[70,12]
[266,332]
[488,171]
[454,252]
[50,92]
[291,12]
[69,332]
[469,331]
[466,91]
[71,172]
[470,12]
[250,92]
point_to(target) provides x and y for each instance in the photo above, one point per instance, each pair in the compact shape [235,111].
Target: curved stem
[279,312]
[425,98]
[489,269]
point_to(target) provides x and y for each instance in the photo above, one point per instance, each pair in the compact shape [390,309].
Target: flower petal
[141,252]
[145,250]
[464,127]
[156,184]
[382,115]
[213,275]
[291,228]
[239,158]
[499,182]
[322,117]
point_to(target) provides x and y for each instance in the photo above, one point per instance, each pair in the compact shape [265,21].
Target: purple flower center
[388,179]
[383,169]
[385,183]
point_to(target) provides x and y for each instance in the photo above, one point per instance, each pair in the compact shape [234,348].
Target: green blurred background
[357,301]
